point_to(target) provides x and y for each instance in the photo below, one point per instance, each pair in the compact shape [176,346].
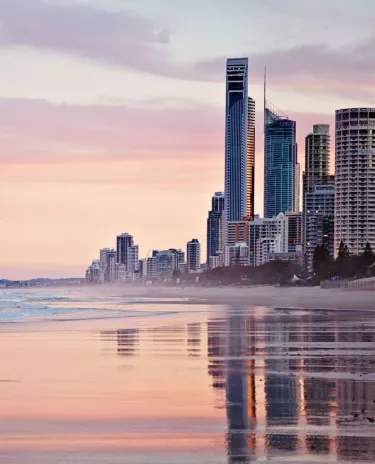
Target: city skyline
[76,143]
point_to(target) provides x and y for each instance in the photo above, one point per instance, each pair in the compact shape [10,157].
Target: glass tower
[281,171]
[214,226]
[239,142]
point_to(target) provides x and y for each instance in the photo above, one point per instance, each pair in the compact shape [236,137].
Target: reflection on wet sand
[307,378]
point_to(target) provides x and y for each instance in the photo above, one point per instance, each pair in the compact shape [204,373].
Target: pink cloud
[125,39]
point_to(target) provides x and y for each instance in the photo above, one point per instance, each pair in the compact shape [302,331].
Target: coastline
[276,297]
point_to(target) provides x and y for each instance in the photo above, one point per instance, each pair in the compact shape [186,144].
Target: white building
[193,256]
[236,255]
[120,270]
[275,230]
[266,246]
[132,262]
[355,178]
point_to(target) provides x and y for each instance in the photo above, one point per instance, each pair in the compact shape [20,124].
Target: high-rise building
[317,158]
[281,170]
[124,242]
[250,165]
[110,271]
[295,231]
[319,221]
[165,263]
[132,265]
[355,178]
[193,256]
[215,226]
[239,142]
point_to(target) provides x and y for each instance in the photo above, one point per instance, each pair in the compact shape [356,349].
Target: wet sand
[142,383]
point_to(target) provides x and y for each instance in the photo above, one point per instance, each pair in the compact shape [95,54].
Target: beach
[278,297]
[196,375]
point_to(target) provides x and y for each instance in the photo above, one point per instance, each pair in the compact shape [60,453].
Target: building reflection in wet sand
[305,377]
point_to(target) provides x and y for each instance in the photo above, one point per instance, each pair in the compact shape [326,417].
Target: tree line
[346,265]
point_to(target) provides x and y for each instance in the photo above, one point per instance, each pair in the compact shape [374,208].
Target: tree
[321,261]
[343,251]
[368,255]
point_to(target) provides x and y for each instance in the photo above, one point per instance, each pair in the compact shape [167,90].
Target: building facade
[355,178]
[239,142]
[319,221]
[281,170]
[124,242]
[266,236]
[317,158]
[215,226]
[295,231]
[193,256]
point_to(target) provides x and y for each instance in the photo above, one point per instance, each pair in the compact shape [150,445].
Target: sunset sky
[112,112]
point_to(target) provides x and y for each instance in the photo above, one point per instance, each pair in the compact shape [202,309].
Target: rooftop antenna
[265,92]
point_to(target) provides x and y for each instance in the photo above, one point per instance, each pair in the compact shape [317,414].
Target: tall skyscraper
[239,142]
[281,169]
[124,242]
[355,178]
[214,226]
[317,158]
[193,256]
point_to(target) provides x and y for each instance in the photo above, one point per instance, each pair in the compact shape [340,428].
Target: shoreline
[275,297]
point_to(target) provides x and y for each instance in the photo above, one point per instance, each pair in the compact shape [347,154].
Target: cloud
[36,131]
[126,39]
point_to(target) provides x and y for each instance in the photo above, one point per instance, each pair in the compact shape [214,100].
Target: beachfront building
[132,266]
[215,227]
[355,178]
[239,142]
[93,273]
[268,235]
[124,242]
[237,254]
[295,231]
[193,256]
[319,221]
[281,170]
[317,158]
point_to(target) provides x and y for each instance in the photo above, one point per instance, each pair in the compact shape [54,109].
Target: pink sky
[119,126]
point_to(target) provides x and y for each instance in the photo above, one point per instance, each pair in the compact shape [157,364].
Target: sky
[112,113]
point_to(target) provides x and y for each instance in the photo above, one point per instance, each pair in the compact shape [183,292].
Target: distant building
[236,255]
[110,271]
[120,272]
[193,256]
[124,242]
[215,226]
[317,158]
[295,231]
[93,273]
[355,178]
[319,221]
[237,232]
[166,264]
[132,267]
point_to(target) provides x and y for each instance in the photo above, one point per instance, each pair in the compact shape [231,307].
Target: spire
[265,87]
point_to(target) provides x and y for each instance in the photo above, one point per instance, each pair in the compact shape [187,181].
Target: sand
[294,297]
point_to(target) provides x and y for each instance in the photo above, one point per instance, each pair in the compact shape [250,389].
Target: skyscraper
[317,158]
[193,256]
[239,142]
[281,169]
[355,178]
[214,226]
[124,242]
